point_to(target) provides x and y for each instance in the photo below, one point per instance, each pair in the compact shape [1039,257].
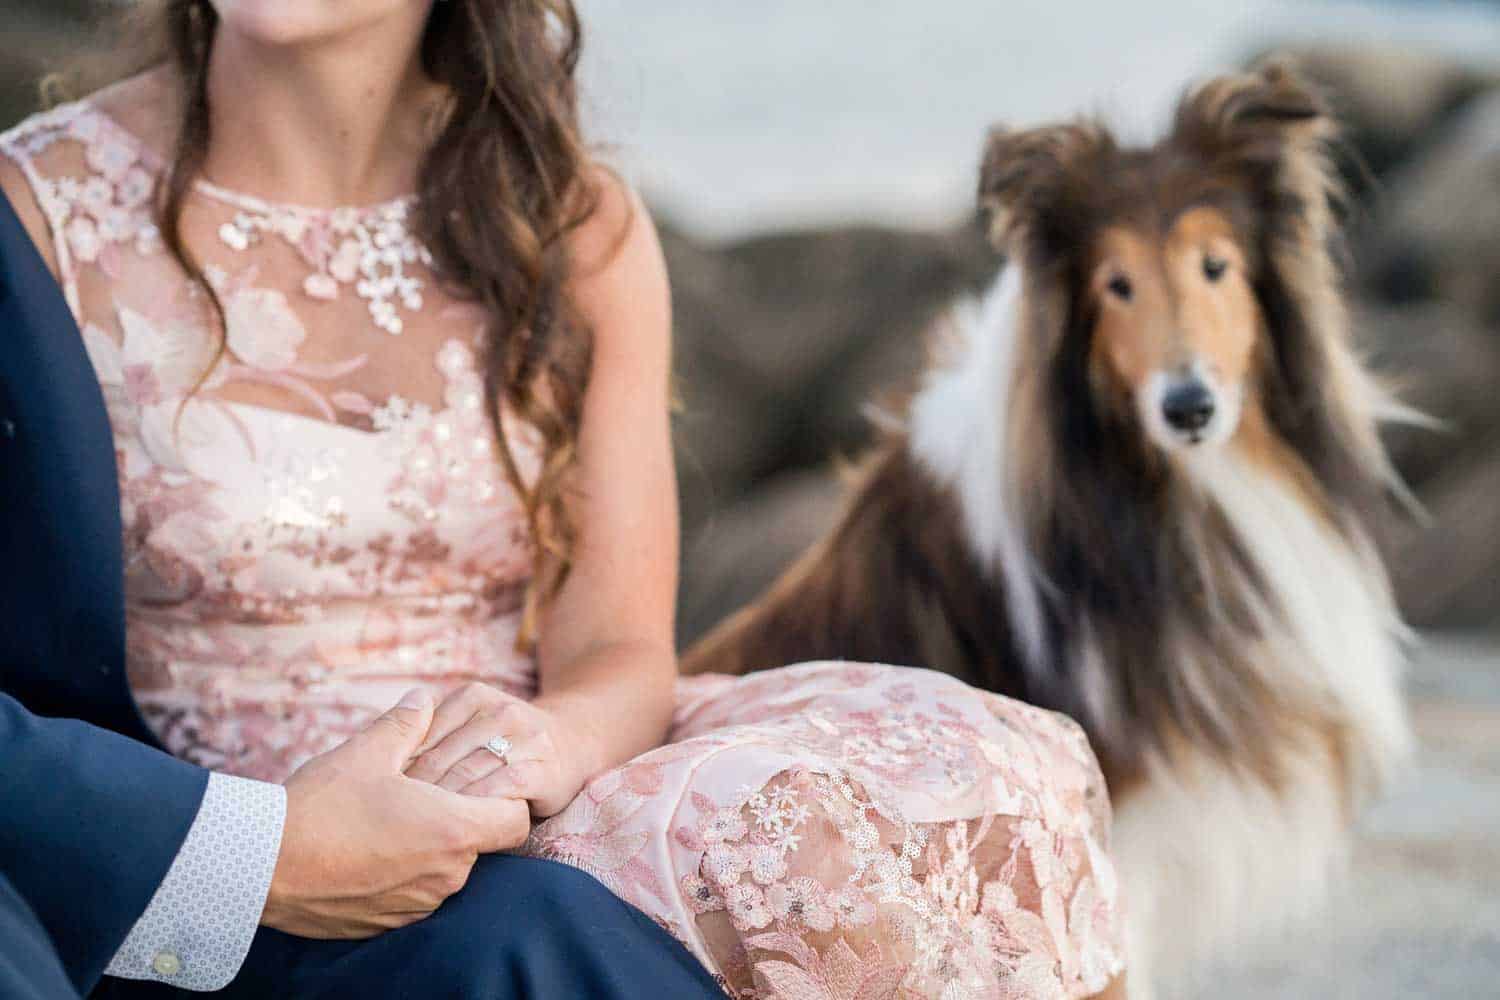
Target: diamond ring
[500,747]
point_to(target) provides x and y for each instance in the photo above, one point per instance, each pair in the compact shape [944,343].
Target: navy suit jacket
[92,812]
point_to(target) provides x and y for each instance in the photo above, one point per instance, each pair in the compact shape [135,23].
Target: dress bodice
[316,516]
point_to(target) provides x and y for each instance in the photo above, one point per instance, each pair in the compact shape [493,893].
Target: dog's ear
[1022,171]
[1265,115]
[1275,130]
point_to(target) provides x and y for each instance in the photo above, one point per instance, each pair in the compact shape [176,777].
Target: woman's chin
[301,22]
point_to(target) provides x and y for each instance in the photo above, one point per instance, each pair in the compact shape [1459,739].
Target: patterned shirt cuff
[198,927]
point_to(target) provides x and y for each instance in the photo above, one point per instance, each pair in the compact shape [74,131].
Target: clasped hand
[456,756]
[367,848]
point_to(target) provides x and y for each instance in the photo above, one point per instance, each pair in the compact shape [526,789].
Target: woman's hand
[542,766]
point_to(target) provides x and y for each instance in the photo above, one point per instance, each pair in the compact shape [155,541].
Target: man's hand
[365,848]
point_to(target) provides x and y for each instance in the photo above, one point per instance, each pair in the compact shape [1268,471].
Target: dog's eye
[1120,287]
[1214,267]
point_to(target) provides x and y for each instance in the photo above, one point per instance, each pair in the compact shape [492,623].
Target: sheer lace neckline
[241,199]
[370,249]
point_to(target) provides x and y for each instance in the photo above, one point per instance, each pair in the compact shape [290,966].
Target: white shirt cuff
[197,929]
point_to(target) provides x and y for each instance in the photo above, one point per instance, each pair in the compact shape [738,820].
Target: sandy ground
[1419,916]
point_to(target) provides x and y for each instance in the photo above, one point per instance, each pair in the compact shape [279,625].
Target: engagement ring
[500,747]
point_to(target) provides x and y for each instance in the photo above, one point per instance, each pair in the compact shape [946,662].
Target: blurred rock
[1428,313]
[780,338]
[744,547]
[1442,362]
[1442,219]
[1447,567]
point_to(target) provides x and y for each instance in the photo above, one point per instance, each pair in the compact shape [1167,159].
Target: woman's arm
[606,649]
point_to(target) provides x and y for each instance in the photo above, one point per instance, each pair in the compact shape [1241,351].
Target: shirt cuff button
[166,964]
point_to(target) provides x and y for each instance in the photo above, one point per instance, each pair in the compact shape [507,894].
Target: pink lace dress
[325,523]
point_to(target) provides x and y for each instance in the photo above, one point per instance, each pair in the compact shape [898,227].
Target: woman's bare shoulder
[143,105]
[616,252]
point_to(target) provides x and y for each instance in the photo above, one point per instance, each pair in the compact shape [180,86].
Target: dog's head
[1178,280]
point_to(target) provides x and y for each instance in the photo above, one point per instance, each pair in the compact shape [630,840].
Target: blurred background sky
[747,117]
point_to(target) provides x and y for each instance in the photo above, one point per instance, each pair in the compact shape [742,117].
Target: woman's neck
[337,124]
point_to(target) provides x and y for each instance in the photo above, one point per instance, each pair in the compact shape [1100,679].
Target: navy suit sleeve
[89,824]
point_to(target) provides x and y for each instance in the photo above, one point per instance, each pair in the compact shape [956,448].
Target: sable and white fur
[1208,605]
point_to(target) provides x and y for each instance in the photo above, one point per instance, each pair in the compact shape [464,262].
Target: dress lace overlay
[316,519]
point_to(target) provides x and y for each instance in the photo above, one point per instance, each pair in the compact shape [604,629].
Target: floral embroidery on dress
[813,880]
[824,831]
[107,206]
[370,249]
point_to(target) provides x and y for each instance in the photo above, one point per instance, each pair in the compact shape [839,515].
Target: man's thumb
[501,824]
[391,740]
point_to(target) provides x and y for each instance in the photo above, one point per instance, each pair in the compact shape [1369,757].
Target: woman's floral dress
[325,522]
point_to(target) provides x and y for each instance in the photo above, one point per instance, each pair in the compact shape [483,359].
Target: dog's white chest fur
[1342,634]
[1212,860]
[958,425]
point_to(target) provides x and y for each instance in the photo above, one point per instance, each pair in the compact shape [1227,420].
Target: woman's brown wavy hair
[503,184]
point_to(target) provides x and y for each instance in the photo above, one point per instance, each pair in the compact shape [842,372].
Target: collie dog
[1137,486]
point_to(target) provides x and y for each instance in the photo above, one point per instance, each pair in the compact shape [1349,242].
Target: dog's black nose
[1188,407]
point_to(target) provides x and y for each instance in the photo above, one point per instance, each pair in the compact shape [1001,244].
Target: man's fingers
[389,741]
[500,824]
